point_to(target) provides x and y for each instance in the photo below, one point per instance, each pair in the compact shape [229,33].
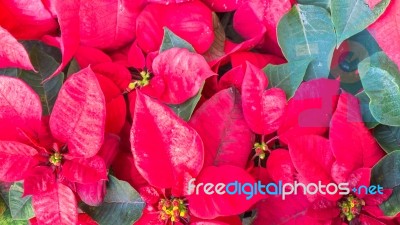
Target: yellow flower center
[350,207]
[56,159]
[174,210]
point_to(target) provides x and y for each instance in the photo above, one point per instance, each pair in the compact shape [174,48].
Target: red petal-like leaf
[254,16]
[109,149]
[163,143]
[78,117]
[386,29]
[85,170]
[232,78]
[39,181]
[12,53]
[229,141]
[67,13]
[175,81]
[310,109]
[352,143]
[92,194]
[223,6]
[257,59]
[280,166]
[290,211]
[16,160]
[86,56]
[312,157]
[125,169]
[115,105]
[20,108]
[84,219]
[211,206]
[323,209]
[119,74]
[58,206]
[26,19]
[108,24]
[192,21]
[262,108]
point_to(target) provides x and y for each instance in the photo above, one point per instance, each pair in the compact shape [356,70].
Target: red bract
[12,53]
[229,141]
[262,107]
[63,152]
[255,16]
[310,109]
[191,21]
[386,29]
[169,146]
[26,19]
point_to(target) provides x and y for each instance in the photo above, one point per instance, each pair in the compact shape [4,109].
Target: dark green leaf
[45,65]
[73,67]
[122,205]
[172,40]
[11,72]
[5,216]
[53,52]
[20,207]
[386,171]
[185,110]
[388,137]
[352,16]
[306,32]
[381,81]
[368,119]
[287,76]
[391,206]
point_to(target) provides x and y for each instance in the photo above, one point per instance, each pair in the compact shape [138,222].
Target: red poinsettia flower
[346,158]
[59,156]
[169,146]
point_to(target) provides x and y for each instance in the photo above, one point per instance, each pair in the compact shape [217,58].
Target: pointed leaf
[92,194]
[48,91]
[321,3]
[381,81]
[17,159]
[313,38]
[386,171]
[58,206]
[287,77]
[229,141]
[185,110]
[171,40]
[167,144]
[78,117]
[20,207]
[388,137]
[351,17]
[12,53]
[368,119]
[122,200]
[391,206]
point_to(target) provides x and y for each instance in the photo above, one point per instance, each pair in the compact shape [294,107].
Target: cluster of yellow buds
[260,149]
[351,207]
[56,159]
[172,210]
[145,79]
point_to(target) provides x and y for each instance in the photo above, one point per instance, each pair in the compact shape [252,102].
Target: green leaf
[368,119]
[388,137]
[171,40]
[185,110]
[73,67]
[287,76]
[307,32]
[45,65]
[391,206]
[11,72]
[5,216]
[321,3]
[380,78]
[20,207]
[122,205]
[352,16]
[386,171]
